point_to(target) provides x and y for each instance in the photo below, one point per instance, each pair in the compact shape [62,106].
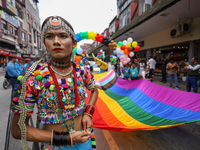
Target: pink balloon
[128,59]
[124,62]
[121,58]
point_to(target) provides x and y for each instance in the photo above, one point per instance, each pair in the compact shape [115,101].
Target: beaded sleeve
[30,98]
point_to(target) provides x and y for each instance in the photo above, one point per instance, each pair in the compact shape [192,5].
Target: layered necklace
[60,102]
[62,73]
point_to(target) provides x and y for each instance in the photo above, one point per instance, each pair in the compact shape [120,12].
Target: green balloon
[74,50]
[120,43]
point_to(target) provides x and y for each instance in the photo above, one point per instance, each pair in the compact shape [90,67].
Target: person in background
[148,74]
[112,66]
[152,64]
[172,69]
[192,72]
[134,72]
[13,73]
[126,71]
[142,66]
[164,69]
[19,64]
[87,65]
[27,64]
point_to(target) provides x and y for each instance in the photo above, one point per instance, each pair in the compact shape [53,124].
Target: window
[28,16]
[34,36]
[20,24]
[125,18]
[11,30]
[16,32]
[30,49]
[23,36]
[29,27]
[29,38]
[145,5]
[3,26]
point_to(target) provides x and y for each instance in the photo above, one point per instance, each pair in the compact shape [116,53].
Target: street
[185,137]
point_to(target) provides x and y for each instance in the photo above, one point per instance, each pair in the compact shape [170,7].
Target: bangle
[52,137]
[91,105]
[72,143]
[61,138]
[89,110]
[88,114]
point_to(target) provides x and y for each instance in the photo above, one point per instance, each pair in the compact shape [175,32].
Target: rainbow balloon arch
[123,49]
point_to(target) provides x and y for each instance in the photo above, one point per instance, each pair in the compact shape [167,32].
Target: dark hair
[195,58]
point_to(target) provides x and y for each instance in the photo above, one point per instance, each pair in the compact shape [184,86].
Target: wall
[32,11]
[163,38]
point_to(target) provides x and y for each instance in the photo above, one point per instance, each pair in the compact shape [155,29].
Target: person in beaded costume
[59,89]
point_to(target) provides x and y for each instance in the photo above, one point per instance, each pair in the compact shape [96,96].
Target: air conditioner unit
[175,33]
[6,32]
[3,30]
[184,28]
[16,37]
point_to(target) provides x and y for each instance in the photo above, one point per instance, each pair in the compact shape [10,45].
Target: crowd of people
[16,66]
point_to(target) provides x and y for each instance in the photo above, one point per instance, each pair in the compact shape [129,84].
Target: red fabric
[57,86]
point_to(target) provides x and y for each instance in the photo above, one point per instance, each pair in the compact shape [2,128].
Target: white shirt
[152,63]
[193,68]
[109,66]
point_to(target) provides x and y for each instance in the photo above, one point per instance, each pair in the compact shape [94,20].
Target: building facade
[14,31]
[161,27]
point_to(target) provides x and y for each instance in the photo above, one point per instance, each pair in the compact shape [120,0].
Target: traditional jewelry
[56,23]
[60,65]
[60,73]
[52,137]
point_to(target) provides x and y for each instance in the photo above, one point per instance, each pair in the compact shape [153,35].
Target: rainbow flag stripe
[125,105]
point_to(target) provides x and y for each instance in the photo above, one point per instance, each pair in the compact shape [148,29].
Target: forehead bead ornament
[56,23]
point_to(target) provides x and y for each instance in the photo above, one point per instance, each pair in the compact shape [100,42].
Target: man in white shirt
[152,64]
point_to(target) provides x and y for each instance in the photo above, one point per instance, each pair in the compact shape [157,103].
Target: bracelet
[91,105]
[88,114]
[61,138]
[89,109]
[52,137]
[72,143]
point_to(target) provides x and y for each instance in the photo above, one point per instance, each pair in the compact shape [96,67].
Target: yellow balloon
[128,45]
[134,44]
[118,46]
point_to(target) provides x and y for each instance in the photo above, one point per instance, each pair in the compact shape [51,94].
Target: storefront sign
[11,8]
[12,20]
[32,56]
[2,52]
[25,55]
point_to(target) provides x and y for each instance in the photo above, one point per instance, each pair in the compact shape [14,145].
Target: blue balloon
[79,50]
[78,37]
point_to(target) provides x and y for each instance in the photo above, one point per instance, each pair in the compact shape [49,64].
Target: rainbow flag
[125,105]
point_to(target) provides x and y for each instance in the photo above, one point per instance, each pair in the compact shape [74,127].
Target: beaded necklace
[60,103]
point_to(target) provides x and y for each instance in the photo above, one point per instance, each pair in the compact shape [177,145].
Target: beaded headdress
[56,22]
[53,22]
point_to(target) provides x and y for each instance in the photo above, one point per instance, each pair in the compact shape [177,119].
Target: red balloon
[137,48]
[129,49]
[122,47]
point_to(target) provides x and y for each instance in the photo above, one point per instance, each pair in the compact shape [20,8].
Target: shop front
[4,57]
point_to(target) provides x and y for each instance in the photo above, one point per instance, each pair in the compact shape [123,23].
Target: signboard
[2,52]
[12,20]
[11,8]
[25,55]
